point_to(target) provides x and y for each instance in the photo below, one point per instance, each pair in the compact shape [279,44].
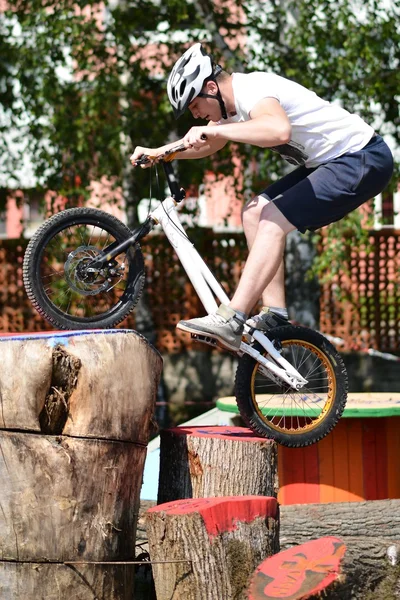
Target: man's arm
[208,147]
[268,126]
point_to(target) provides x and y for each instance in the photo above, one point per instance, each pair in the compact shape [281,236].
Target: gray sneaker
[267,320]
[224,326]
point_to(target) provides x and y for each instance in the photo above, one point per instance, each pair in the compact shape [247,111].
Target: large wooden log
[199,462]
[306,571]
[68,499]
[371,532]
[41,581]
[211,545]
[103,383]
[74,423]
[374,518]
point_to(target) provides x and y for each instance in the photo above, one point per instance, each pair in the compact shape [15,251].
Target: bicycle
[84,269]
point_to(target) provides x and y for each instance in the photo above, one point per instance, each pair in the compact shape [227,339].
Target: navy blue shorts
[311,198]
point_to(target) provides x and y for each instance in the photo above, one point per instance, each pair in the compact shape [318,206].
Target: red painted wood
[242,434]
[381,452]
[341,478]
[300,572]
[298,475]
[393,452]
[327,484]
[295,482]
[356,478]
[223,513]
[369,459]
[311,469]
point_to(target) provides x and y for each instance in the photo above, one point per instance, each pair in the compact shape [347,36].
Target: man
[341,163]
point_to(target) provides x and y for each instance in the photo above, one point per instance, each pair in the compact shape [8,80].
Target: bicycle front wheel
[61,287]
[294,417]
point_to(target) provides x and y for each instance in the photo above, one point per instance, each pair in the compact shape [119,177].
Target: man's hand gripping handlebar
[167,156]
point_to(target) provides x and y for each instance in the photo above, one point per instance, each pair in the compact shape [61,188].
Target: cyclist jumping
[341,163]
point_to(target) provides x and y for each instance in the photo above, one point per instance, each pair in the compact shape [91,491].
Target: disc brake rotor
[82,281]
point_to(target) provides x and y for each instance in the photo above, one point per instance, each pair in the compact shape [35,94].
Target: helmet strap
[218,97]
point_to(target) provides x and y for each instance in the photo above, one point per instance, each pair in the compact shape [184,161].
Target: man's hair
[220,76]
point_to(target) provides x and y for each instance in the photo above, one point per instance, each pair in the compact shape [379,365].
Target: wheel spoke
[64,279]
[288,410]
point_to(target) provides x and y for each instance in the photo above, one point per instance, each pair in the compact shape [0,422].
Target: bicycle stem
[177,193]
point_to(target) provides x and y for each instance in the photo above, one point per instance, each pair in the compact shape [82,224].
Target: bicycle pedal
[204,339]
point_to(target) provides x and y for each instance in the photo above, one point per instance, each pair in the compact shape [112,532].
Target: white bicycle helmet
[187,78]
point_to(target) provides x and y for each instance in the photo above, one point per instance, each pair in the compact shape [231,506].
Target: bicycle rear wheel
[294,417]
[58,283]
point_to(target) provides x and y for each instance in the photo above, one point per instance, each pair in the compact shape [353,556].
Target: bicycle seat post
[177,193]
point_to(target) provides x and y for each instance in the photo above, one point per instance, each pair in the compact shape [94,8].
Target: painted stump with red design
[210,546]
[74,423]
[200,462]
[301,572]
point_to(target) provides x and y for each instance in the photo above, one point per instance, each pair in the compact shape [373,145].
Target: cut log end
[240,434]
[301,572]
[221,515]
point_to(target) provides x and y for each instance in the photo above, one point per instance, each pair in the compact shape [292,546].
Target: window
[33,211]
[387,210]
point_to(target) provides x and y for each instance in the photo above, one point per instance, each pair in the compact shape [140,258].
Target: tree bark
[200,462]
[27,581]
[75,416]
[371,532]
[212,545]
[104,383]
[355,519]
[68,499]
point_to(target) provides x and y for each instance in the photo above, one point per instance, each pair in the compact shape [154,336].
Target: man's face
[206,108]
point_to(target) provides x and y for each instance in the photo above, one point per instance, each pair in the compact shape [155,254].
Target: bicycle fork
[279,370]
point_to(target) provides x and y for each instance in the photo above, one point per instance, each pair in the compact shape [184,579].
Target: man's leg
[265,258]
[274,293]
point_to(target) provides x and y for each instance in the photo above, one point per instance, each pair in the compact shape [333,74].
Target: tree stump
[210,546]
[74,424]
[306,571]
[200,462]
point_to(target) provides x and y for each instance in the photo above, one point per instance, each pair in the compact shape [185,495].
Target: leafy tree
[82,82]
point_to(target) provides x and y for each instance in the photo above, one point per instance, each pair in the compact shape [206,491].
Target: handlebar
[167,156]
[177,192]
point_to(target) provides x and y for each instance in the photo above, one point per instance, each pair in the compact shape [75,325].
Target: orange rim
[300,410]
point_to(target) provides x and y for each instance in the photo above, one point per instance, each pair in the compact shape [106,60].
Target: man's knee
[273,221]
[251,211]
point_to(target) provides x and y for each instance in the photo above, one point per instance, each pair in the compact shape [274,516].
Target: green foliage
[83,83]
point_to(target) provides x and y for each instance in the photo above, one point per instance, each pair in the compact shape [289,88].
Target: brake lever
[168,156]
[143,160]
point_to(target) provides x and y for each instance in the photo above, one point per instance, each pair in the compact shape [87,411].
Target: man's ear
[212,88]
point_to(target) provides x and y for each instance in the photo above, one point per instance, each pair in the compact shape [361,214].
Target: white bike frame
[207,288]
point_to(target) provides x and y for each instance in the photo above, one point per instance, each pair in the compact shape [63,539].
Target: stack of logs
[214,533]
[75,420]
